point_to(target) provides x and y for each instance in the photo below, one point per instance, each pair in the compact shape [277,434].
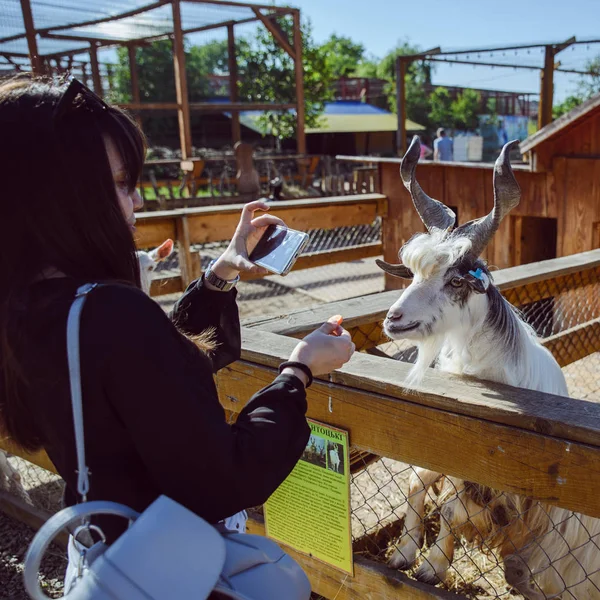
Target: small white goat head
[449,280]
[149,261]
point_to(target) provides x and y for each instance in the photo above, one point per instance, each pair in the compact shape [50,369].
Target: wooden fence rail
[217,223]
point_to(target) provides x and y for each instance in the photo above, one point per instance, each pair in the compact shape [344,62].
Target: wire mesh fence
[461,535]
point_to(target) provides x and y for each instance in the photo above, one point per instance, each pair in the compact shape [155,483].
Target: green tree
[267,75]
[418,76]
[589,85]
[342,55]
[156,73]
[440,113]
[466,110]
[569,103]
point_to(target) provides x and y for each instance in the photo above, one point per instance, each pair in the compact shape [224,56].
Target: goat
[10,478]
[334,459]
[149,262]
[460,321]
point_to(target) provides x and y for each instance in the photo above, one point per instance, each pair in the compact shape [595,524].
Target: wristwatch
[222,284]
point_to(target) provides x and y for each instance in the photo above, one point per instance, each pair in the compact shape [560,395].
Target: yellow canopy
[334,123]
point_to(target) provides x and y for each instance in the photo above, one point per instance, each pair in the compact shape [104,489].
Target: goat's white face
[439,299]
[149,261]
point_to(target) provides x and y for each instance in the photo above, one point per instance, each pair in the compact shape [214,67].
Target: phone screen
[277,248]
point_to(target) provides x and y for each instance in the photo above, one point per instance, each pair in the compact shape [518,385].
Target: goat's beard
[428,351]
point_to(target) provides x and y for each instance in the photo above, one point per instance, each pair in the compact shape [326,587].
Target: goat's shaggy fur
[548,551]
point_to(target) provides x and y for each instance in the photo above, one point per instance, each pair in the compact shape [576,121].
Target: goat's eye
[149,268]
[456,282]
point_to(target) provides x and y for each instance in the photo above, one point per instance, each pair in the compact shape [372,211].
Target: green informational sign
[310,511]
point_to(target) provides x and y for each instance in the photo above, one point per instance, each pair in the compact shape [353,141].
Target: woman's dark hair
[58,208]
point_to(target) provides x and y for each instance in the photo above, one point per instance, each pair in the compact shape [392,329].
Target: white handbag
[168,552]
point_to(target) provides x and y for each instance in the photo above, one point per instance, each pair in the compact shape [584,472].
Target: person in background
[443,148]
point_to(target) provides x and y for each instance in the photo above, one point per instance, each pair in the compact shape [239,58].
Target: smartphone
[278,249]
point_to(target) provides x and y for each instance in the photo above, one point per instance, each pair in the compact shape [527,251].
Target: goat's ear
[164,250]
[395,270]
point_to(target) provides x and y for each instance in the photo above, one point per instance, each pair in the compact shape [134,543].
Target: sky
[454,24]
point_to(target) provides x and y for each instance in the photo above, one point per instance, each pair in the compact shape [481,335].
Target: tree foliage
[588,86]
[342,56]
[267,75]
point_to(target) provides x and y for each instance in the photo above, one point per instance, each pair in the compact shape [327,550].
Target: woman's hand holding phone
[247,234]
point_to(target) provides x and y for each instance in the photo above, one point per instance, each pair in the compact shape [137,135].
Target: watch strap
[222,284]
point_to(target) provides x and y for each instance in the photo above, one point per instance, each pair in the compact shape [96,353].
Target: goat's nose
[394,316]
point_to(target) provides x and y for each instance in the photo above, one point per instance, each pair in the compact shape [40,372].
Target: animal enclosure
[513,440]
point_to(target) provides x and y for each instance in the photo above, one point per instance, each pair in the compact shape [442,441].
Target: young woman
[153,424]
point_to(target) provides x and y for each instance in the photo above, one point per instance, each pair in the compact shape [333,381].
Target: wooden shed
[559,212]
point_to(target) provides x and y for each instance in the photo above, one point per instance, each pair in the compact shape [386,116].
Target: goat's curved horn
[507,195]
[395,270]
[433,213]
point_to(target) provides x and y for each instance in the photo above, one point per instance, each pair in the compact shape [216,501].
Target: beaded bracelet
[298,365]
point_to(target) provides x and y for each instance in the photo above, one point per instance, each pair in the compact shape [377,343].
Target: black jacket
[153,423]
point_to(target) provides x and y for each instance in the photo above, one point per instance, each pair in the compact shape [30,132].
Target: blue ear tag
[482,277]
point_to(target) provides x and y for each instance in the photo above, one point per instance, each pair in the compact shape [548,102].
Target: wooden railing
[486,425]
[218,223]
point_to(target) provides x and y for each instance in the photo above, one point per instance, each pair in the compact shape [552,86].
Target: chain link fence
[459,535]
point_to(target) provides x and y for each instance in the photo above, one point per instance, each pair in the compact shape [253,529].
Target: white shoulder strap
[83,482]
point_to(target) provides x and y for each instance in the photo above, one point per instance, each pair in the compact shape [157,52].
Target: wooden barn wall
[582,140]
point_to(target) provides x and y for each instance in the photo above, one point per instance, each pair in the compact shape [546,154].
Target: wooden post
[546,89]
[37,65]
[183,101]
[135,84]
[299,70]
[236,131]
[95,69]
[401,105]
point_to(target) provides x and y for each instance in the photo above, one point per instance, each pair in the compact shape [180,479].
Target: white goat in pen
[149,262]
[459,320]
[334,459]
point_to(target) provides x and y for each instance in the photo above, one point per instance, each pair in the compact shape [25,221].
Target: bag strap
[73,357]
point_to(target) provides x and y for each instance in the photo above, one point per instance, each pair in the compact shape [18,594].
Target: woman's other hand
[324,350]
[247,234]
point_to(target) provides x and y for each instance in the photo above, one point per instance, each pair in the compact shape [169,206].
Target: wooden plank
[401,105]
[150,233]
[96,79]
[185,252]
[211,226]
[166,285]
[149,106]
[236,131]
[114,17]
[498,444]
[318,259]
[133,72]
[239,106]
[181,89]
[521,280]
[276,31]
[546,89]
[299,77]
[371,581]
[575,343]
[30,515]
[339,201]
[37,65]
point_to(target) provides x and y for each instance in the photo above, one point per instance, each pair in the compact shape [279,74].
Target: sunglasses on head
[78,97]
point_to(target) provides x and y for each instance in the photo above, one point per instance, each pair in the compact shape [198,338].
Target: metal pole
[236,131]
